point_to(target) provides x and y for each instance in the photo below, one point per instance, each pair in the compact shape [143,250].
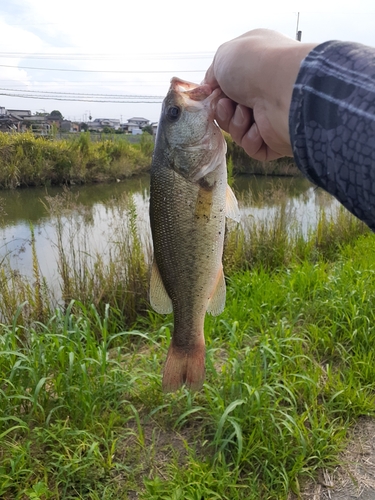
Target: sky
[115,59]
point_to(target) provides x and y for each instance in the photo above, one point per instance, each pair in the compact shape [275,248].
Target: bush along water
[244,164]
[26,160]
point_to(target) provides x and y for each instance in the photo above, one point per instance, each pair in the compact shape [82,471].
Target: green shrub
[26,160]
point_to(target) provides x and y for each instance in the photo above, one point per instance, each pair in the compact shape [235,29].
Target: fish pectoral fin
[217,301]
[159,298]
[231,206]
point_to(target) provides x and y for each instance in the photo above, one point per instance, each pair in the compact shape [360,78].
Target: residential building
[136,122]
[99,123]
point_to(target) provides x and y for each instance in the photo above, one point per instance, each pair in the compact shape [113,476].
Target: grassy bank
[26,160]
[289,369]
[243,164]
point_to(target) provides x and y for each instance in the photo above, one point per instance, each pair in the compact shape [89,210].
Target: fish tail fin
[184,367]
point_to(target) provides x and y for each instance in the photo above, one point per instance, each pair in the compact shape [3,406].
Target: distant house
[38,124]
[68,126]
[53,121]
[22,113]
[75,127]
[136,123]
[99,123]
[154,127]
[11,120]
[136,131]
[10,123]
[21,120]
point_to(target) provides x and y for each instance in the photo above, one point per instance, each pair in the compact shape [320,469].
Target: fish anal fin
[217,301]
[159,298]
[231,206]
[184,367]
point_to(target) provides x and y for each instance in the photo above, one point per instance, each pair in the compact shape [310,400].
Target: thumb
[210,79]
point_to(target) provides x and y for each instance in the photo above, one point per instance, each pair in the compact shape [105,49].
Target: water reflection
[259,197]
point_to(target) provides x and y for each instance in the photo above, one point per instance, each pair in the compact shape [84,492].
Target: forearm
[332,124]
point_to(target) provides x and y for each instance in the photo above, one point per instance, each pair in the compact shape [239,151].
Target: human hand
[256,72]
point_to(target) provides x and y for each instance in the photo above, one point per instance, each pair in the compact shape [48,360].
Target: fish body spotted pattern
[189,200]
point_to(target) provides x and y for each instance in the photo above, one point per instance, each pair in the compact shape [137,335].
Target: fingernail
[238,117]
[221,111]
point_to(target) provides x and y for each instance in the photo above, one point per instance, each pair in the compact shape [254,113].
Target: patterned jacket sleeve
[332,124]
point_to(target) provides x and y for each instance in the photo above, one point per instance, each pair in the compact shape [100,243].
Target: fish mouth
[196,92]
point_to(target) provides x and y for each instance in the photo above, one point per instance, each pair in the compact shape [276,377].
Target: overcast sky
[129,50]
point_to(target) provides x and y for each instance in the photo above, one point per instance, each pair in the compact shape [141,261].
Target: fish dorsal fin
[217,301]
[159,298]
[231,206]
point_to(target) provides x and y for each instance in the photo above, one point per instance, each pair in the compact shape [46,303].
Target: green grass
[244,164]
[290,365]
[290,368]
[26,160]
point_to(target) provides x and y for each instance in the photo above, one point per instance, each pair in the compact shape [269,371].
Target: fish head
[187,130]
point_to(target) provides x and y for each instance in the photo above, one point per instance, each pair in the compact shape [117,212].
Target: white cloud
[129,28]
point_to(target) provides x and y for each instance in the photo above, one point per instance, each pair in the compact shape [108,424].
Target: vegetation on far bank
[244,164]
[290,367]
[26,160]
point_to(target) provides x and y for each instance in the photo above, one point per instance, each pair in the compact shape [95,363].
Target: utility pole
[298,33]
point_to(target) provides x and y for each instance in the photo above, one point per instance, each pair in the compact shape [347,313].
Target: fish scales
[187,214]
[186,240]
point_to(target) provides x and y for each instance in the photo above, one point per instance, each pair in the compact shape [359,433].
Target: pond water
[258,197]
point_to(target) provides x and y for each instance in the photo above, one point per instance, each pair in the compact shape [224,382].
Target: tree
[84,127]
[108,130]
[148,129]
[56,114]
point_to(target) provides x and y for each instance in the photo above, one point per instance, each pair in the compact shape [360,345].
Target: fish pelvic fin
[184,367]
[217,301]
[231,206]
[159,298]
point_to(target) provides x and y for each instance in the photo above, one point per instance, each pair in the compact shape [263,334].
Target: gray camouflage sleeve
[332,124]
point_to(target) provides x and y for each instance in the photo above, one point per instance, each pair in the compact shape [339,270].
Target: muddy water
[259,197]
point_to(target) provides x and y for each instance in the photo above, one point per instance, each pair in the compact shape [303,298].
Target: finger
[254,145]
[209,78]
[240,123]
[225,109]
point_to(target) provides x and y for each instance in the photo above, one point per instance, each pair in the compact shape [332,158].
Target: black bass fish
[189,200]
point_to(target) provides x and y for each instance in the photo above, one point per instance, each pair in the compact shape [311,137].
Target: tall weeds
[290,363]
[26,160]
[278,240]
[115,269]
[247,165]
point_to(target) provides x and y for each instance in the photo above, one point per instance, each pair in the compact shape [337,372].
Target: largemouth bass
[189,200]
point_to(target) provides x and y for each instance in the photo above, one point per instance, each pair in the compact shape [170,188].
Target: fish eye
[173,113]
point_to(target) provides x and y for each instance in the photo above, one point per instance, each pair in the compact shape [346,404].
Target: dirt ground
[355,478]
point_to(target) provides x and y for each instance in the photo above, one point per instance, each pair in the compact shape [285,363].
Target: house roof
[138,118]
